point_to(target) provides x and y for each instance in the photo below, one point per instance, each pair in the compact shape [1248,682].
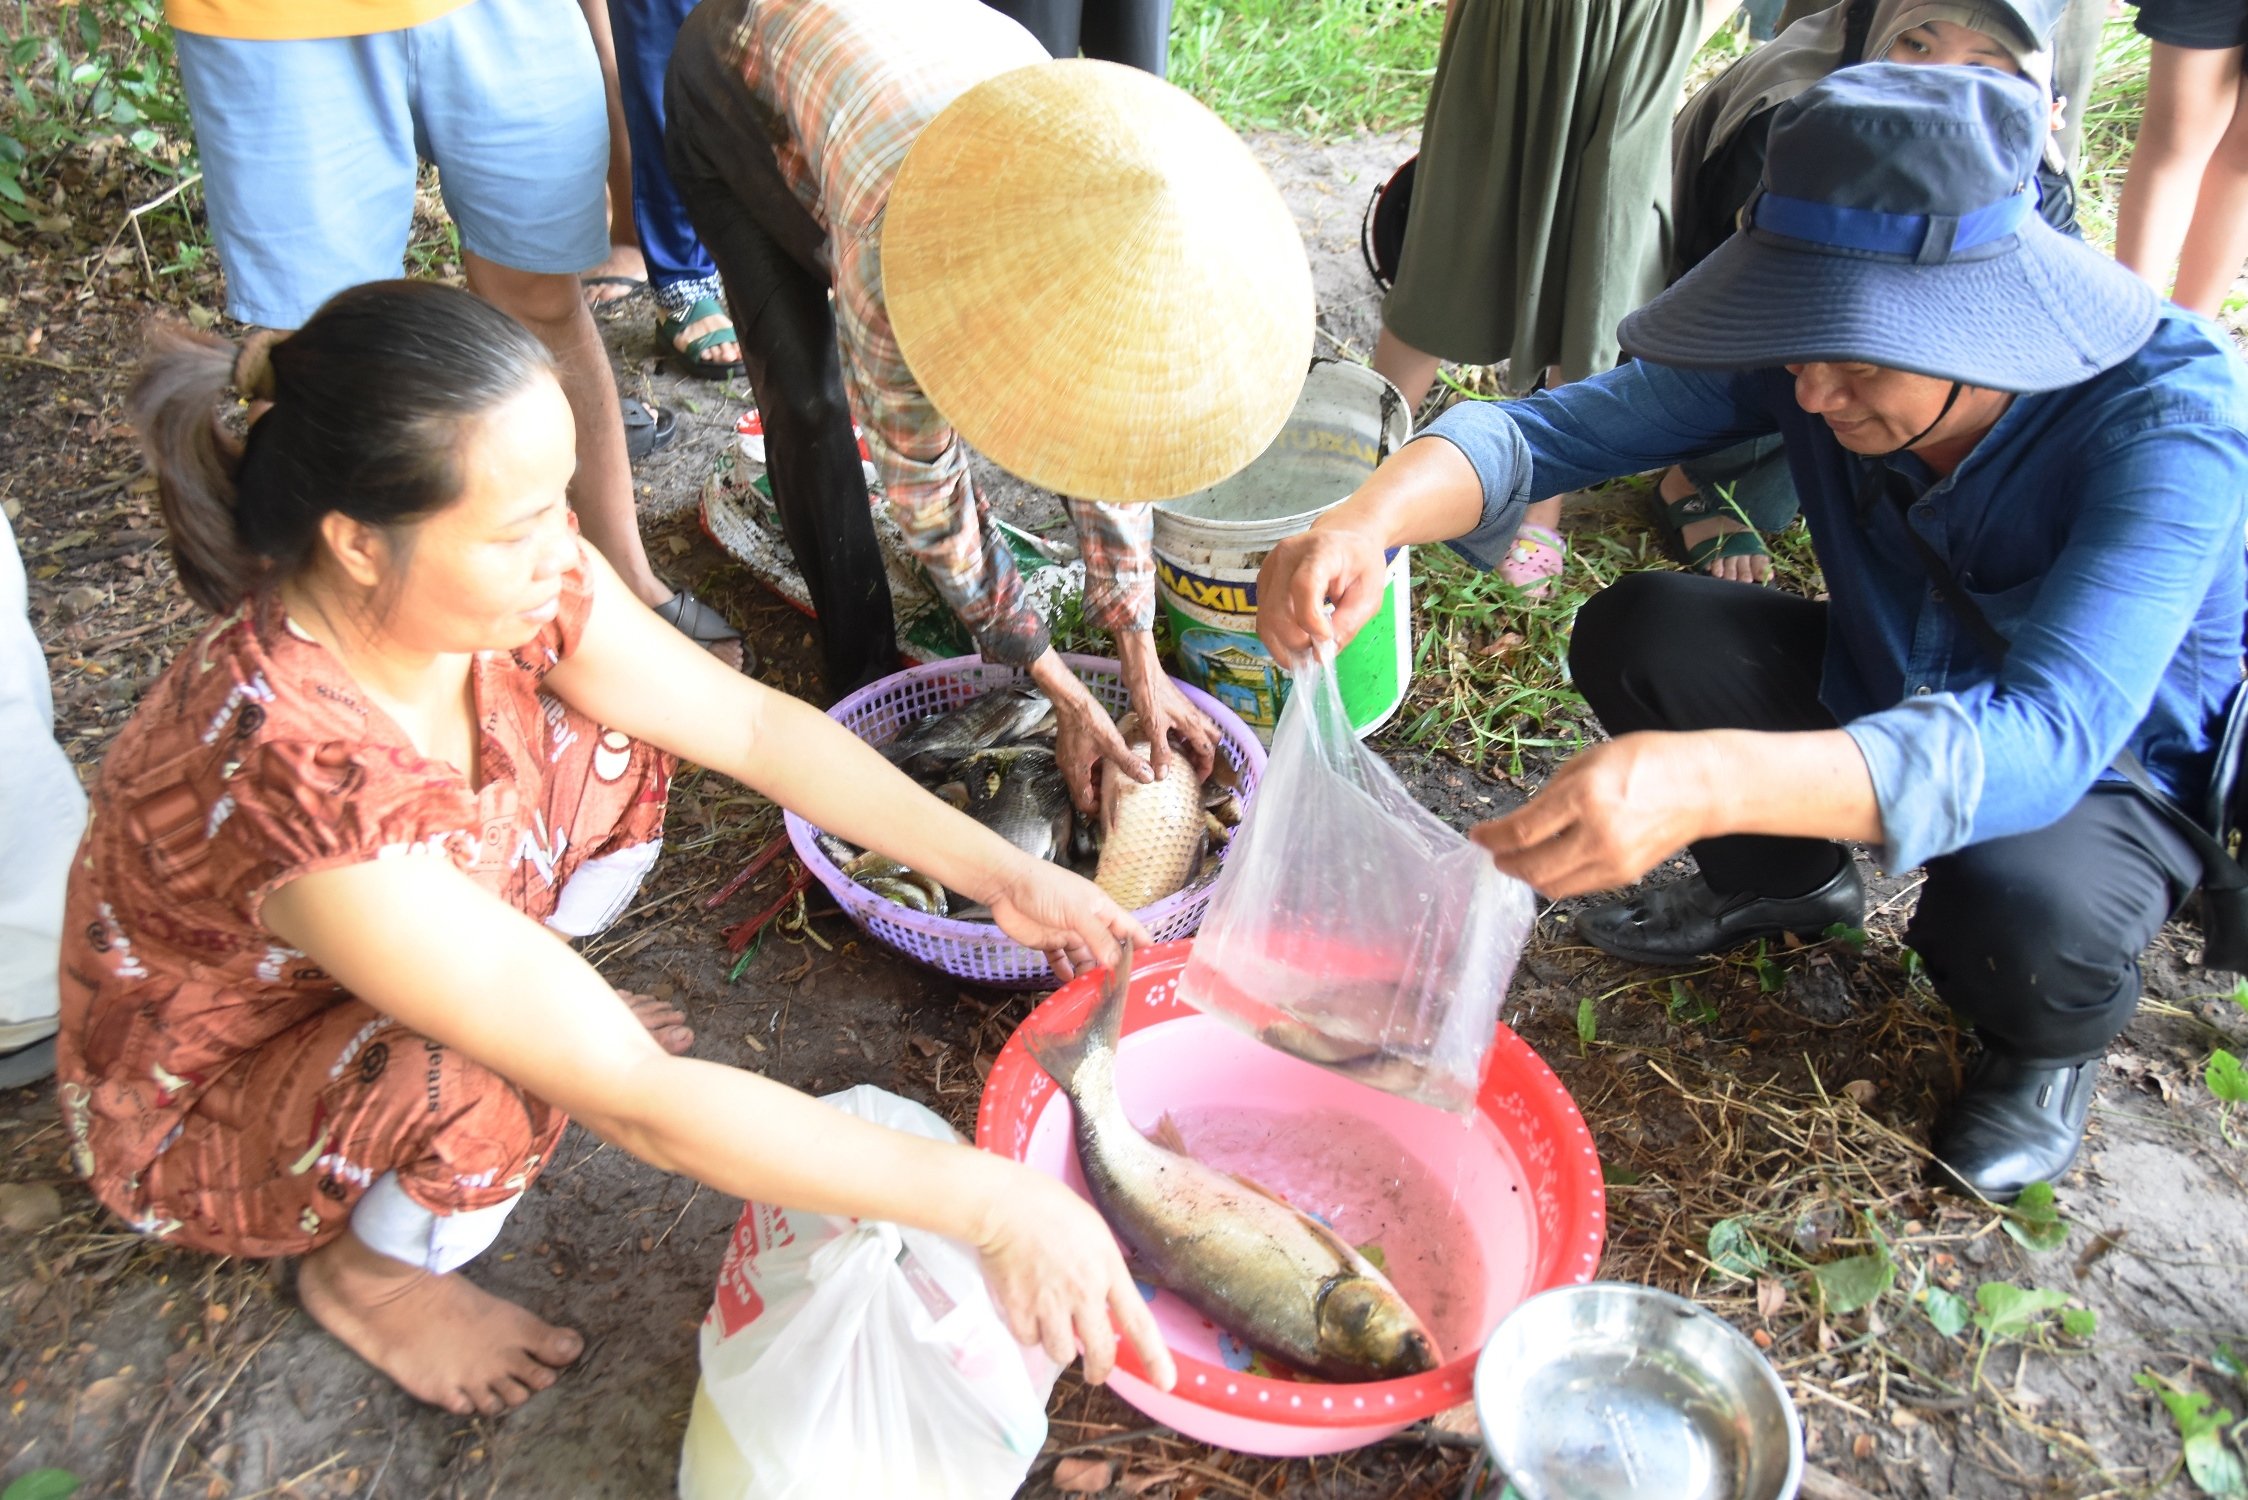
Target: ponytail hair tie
[253,366]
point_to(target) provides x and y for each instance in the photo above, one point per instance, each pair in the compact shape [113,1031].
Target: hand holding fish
[1164,712]
[1084,735]
[1063,915]
[1059,1280]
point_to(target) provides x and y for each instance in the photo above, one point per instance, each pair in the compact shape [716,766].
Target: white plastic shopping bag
[1351,926]
[844,1357]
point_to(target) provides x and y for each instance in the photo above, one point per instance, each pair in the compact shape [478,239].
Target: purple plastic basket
[979,951]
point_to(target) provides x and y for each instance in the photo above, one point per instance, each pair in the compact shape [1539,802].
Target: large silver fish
[1018,793]
[1279,1280]
[929,749]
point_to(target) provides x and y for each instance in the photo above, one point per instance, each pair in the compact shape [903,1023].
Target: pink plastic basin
[1509,1201]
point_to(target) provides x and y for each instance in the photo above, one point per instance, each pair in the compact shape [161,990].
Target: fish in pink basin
[1279,1280]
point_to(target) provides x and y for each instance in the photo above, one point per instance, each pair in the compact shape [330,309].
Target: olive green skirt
[1540,212]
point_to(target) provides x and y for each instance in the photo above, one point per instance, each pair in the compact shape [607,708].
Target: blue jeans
[679,268]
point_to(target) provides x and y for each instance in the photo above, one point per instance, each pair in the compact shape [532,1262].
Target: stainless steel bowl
[1609,1391]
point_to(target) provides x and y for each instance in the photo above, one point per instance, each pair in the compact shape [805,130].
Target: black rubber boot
[2017,1121]
[1683,922]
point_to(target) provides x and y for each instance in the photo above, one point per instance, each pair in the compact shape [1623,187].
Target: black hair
[364,404]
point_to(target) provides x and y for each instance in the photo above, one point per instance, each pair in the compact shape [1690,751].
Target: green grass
[1490,674]
[1319,67]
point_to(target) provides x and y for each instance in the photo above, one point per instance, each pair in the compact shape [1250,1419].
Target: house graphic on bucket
[1236,671]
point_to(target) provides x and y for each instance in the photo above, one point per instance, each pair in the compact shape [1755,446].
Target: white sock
[602,888]
[390,1223]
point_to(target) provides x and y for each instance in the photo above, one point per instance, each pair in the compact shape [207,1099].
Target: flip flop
[690,361]
[647,429]
[1534,560]
[1674,516]
[705,626]
[633,287]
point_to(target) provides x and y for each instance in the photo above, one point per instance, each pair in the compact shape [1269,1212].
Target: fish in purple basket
[1276,1278]
[930,750]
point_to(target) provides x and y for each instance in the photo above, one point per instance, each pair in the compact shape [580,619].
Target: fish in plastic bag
[857,1357]
[1351,926]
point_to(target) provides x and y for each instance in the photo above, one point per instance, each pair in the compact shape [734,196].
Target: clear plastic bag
[848,1357]
[1351,926]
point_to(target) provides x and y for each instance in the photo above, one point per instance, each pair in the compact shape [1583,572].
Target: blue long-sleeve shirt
[2099,527]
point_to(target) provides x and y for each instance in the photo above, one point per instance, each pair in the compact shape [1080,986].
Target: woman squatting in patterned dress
[311,1002]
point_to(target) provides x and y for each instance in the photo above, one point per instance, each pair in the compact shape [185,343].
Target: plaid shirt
[846,87]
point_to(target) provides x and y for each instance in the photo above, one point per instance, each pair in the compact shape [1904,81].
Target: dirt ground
[1781,1103]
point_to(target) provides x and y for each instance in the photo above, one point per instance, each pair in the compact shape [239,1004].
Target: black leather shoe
[1682,922]
[2017,1121]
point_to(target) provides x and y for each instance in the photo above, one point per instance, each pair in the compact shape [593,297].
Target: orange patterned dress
[220,1089]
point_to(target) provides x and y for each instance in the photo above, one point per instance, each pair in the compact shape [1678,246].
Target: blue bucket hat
[1897,226]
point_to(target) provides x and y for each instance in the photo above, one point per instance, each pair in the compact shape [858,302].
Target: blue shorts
[310,149]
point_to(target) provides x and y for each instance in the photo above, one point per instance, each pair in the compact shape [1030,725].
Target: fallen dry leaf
[1503,646]
[1460,1419]
[28,1207]
[1862,1445]
[1083,1476]
[1771,1296]
[1860,1091]
[102,1397]
[923,1043]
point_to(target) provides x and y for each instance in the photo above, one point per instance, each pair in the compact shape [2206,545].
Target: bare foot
[717,354]
[444,1340]
[666,1022]
[1753,568]
[625,261]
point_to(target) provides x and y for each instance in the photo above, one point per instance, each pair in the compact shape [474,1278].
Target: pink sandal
[1534,561]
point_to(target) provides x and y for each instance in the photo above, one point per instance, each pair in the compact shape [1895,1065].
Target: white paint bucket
[1209,545]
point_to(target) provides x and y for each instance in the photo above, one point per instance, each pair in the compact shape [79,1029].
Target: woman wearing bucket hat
[1070,265]
[1716,508]
[1964,395]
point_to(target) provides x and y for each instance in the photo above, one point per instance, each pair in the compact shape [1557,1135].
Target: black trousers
[2034,938]
[772,256]
[1136,33]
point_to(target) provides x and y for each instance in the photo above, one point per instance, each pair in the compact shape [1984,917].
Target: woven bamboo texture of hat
[1096,283]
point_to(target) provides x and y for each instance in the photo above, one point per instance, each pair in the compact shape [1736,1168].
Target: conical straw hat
[1095,282]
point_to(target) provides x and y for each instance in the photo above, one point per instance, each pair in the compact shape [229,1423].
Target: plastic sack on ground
[845,1357]
[1351,926]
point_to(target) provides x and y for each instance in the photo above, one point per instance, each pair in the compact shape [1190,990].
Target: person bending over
[1114,304]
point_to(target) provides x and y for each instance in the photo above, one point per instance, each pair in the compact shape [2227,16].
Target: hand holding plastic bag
[1351,926]
[846,1357]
